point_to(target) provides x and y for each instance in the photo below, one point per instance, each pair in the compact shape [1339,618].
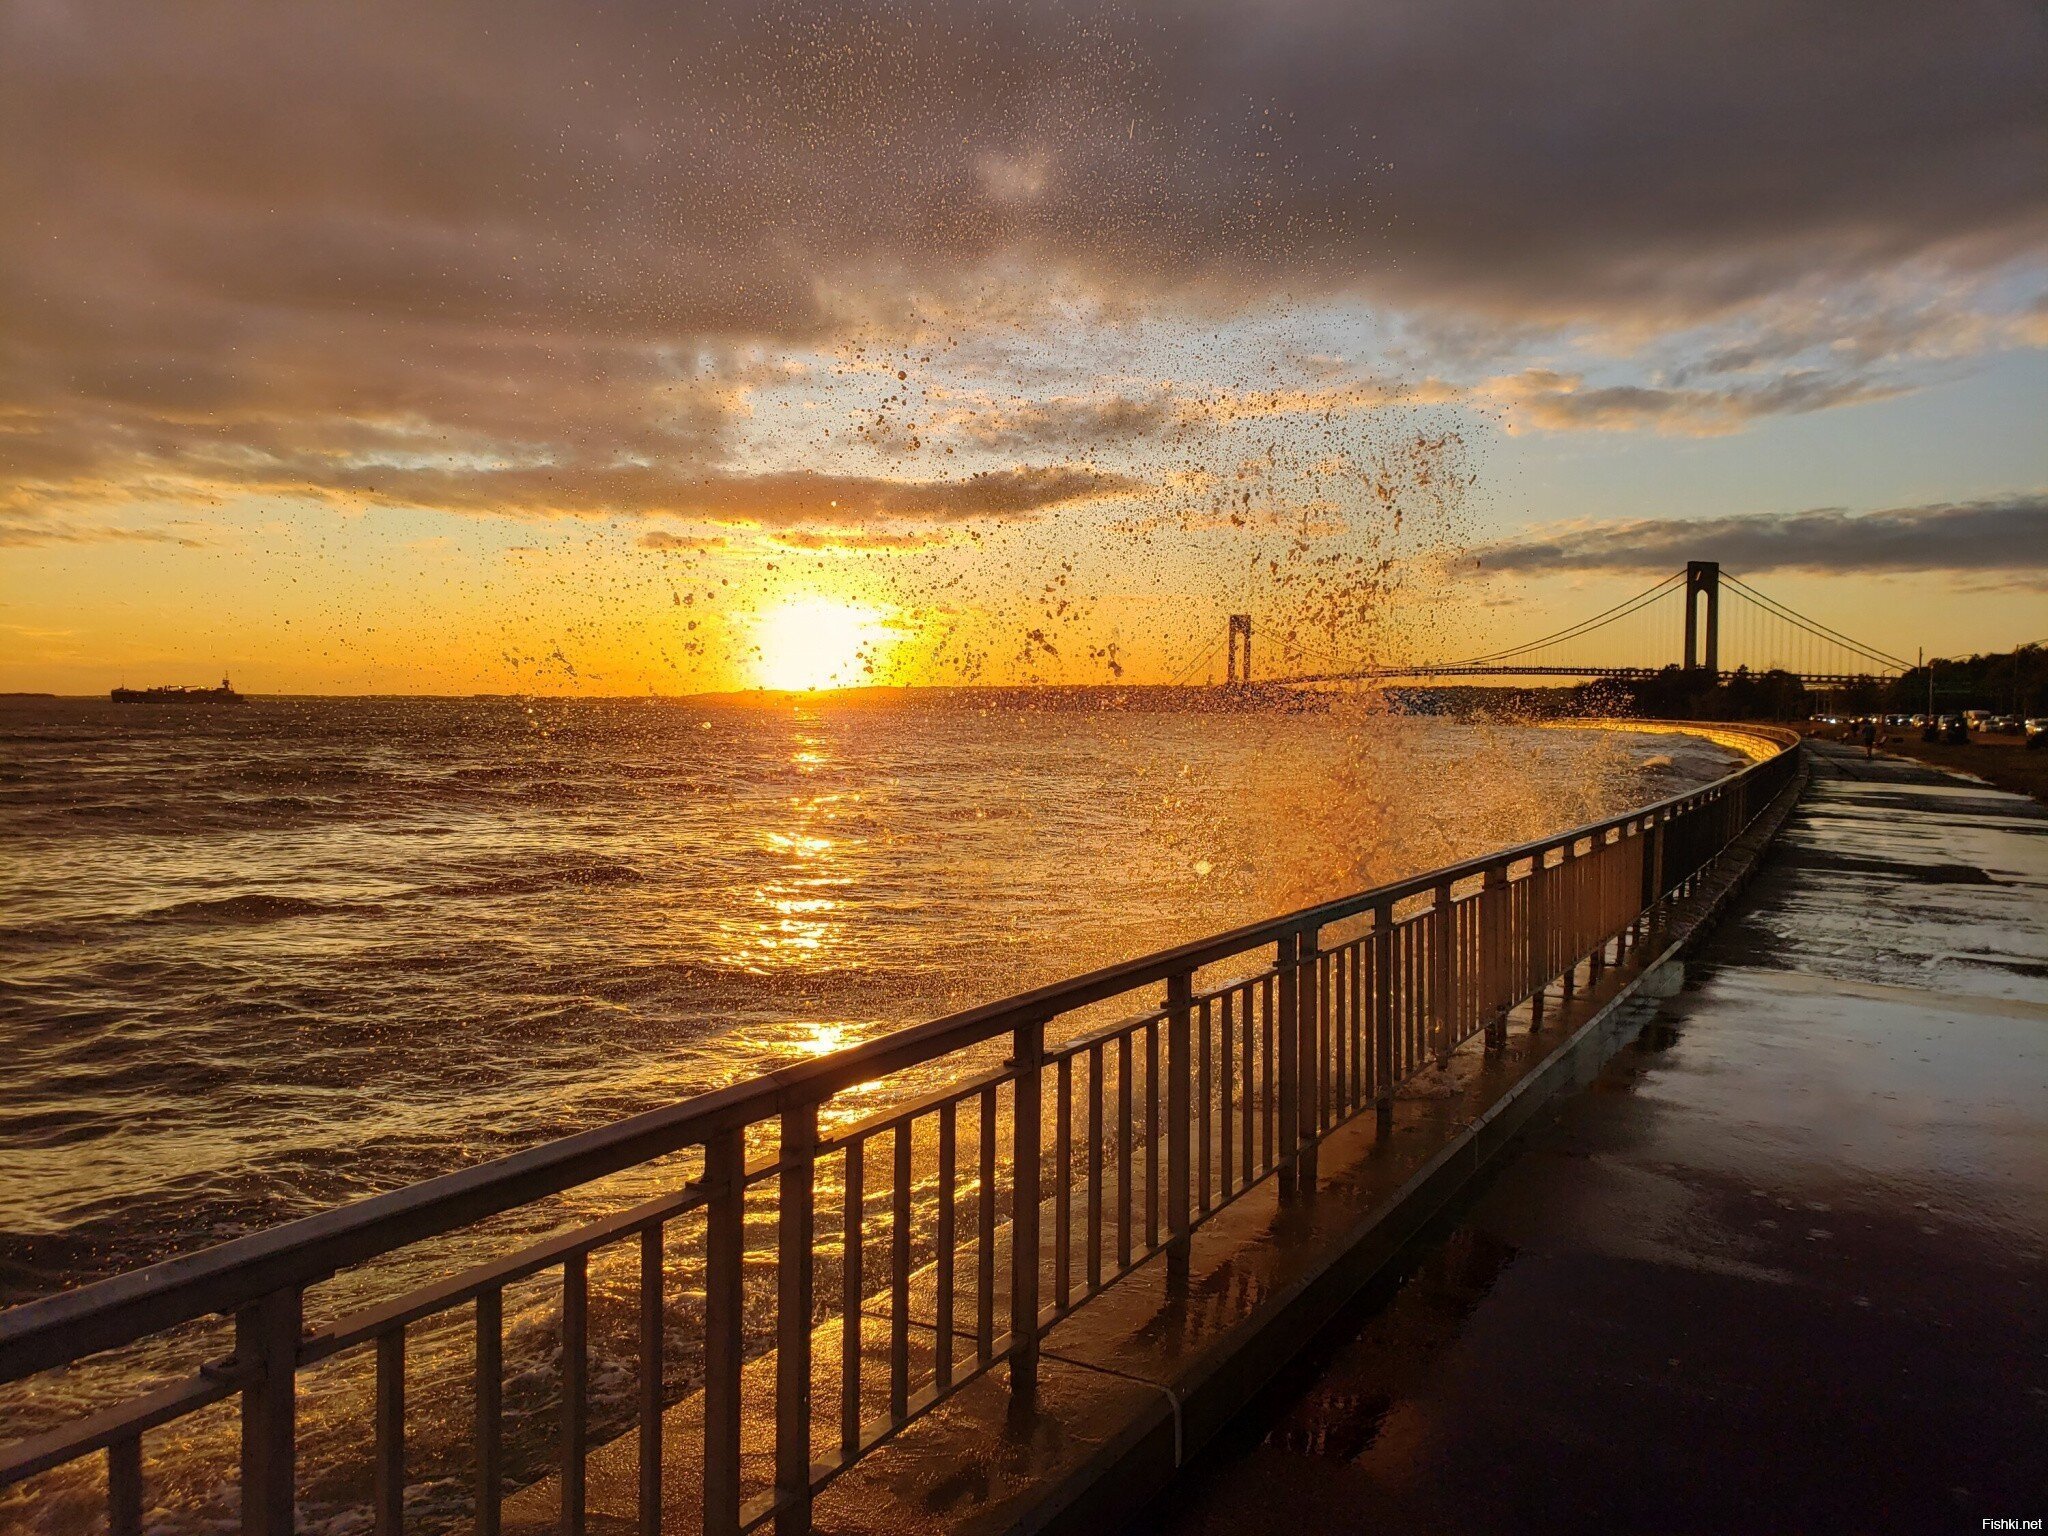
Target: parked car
[1955,730]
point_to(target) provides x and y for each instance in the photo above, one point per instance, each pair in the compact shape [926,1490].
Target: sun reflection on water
[820,1037]
[799,845]
[803,892]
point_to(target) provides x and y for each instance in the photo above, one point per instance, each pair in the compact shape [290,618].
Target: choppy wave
[246,907]
[522,884]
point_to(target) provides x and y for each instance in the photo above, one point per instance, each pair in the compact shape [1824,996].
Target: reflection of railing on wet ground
[1146,1125]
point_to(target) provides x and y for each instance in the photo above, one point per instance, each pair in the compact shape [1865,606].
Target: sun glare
[814,642]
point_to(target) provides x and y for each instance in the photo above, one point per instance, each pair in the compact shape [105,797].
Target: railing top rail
[108,1313]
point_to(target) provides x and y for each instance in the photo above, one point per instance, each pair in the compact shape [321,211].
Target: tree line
[2004,682]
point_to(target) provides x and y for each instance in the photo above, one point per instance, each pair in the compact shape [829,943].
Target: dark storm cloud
[1065,422]
[814,541]
[659,169]
[767,500]
[267,233]
[1564,403]
[2007,534]
[17,532]
[684,543]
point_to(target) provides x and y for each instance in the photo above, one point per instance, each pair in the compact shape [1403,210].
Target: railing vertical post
[653,1340]
[724,1277]
[1626,902]
[1655,858]
[1538,980]
[1493,948]
[1311,1068]
[947,1236]
[387,1490]
[1569,879]
[1027,1060]
[1646,875]
[1628,896]
[852,1289]
[1287,1028]
[795,1279]
[124,1487]
[902,1186]
[1179,1105]
[1383,1012]
[1628,893]
[575,1392]
[1443,969]
[1644,868]
[490,1391]
[985,1228]
[1600,869]
[267,1347]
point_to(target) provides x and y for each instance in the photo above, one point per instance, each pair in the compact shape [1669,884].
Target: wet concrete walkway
[1783,1267]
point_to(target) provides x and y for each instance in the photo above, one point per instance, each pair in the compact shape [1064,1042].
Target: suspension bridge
[1679,621]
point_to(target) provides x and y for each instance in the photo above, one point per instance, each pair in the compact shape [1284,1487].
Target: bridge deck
[1784,1268]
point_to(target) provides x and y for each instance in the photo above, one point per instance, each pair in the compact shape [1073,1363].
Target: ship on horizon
[178,693]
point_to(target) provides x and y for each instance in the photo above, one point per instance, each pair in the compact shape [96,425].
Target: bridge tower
[1240,644]
[1703,576]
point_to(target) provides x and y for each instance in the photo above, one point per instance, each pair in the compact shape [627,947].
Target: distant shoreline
[1063,697]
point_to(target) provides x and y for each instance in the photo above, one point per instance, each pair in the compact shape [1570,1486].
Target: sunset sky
[579,348]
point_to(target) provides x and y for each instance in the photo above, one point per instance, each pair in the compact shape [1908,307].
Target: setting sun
[814,642]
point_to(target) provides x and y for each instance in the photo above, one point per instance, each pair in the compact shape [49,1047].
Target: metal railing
[1156,1121]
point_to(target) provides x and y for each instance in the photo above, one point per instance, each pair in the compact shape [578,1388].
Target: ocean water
[256,962]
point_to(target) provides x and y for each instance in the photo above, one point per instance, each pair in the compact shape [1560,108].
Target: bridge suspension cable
[1813,627]
[1201,660]
[1600,620]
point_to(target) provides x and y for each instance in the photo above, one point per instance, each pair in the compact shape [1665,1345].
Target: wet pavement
[1782,1267]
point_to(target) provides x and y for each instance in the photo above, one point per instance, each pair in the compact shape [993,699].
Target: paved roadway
[1784,1267]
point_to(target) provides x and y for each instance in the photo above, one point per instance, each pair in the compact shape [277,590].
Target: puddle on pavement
[1392,1349]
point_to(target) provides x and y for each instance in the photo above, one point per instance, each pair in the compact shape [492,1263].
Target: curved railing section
[966,1223]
